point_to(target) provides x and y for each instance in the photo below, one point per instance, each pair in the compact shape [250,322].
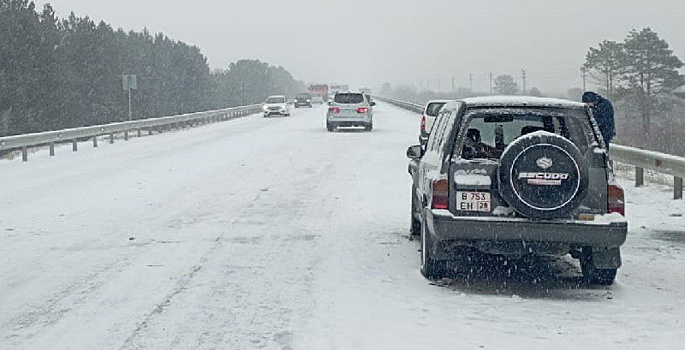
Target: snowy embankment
[275,234]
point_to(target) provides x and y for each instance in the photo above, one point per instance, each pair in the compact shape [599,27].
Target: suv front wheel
[415,228]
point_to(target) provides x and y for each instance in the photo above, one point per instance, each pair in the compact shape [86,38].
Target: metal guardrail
[50,138]
[641,159]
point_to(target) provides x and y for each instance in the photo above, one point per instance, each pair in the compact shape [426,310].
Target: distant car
[276,105]
[316,99]
[514,176]
[303,99]
[430,112]
[350,109]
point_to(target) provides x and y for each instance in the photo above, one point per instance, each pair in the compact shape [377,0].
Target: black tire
[543,176]
[330,127]
[595,276]
[430,268]
[415,226]
[368,127]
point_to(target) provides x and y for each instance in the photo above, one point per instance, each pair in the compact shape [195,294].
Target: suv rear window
[434,108]
[490,132]
[349,98]
[303,96]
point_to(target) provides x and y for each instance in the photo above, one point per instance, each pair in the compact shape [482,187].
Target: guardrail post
[52,149]
[639,177]
[74,145]
[24,154]
[95,141]
[126,135]
[149,132]
[111,138]
[139,132]
[677,188]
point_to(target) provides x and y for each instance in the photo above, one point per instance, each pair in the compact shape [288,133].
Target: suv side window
[437,137]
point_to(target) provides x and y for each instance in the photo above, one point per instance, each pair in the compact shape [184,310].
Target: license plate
[473,201]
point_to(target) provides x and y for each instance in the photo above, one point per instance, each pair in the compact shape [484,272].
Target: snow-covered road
[273,233]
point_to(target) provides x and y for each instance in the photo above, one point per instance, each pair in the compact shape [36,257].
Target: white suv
[276,105]
[350,109]
[430,112]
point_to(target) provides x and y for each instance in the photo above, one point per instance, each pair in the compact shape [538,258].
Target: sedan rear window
[349,98]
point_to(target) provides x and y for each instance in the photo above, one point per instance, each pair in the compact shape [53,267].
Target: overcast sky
[402,42]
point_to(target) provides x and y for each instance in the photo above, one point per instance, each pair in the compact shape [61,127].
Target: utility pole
[130,113]
[491,83]
[583,72]
[471,82]
[242,91]
[453,86]
[130,82]
[523,78]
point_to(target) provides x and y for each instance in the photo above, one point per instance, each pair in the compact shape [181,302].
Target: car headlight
[265,108]
[308,100]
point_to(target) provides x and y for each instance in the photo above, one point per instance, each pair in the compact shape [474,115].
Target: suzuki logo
[544,163]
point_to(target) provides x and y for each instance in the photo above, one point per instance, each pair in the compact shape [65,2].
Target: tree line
[61,73]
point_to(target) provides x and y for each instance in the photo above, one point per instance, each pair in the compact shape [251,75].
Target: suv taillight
[440,194]
[616,202]
[423,124]
[362,110]
[334,109]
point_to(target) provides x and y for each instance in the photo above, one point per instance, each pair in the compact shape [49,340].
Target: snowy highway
[274,233]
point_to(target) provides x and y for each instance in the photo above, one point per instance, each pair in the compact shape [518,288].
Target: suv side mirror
[373,103]
[414,152]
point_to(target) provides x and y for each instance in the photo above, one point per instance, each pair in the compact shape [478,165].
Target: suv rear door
[476,156]
[351,105]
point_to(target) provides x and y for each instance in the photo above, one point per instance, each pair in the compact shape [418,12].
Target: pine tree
[605,64]
[651,68]
[505,85]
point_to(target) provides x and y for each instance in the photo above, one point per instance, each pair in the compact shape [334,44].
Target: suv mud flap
[606,258]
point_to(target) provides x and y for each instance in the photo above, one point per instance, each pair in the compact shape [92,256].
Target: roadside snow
[276,234]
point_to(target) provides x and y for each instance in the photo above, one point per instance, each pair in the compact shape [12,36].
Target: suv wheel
[593,275]
[368,127]
[330,127]
[431,269]
[415,228]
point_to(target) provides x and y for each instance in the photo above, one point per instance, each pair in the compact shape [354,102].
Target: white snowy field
[275,234]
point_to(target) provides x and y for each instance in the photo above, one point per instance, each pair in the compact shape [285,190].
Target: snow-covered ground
[273,233]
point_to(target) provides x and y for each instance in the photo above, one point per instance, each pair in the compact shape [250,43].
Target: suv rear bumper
[444,226]
[349,121]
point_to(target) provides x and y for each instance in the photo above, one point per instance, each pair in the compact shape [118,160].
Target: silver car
[350,109]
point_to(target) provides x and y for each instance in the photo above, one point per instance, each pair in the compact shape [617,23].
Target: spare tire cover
[543,176]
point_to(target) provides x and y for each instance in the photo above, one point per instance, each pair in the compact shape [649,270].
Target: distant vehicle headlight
[265,108]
